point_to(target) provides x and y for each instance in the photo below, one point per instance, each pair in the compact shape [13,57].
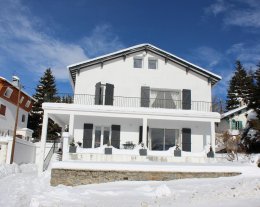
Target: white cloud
[237,12]
[98,43]
[24,38]
[218,7]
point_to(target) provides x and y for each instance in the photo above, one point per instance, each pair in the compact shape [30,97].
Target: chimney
[16,81]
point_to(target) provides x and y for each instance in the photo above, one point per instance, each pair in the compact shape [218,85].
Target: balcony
[134,102]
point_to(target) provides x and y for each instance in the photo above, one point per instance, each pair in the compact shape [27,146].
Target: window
[138,62]
[100,132]
[2,109]
[21,100]
[152,64]
[170,99]
[23,118]
[8,92]
[237,124]
[28,104]
[97,137]
[163,139]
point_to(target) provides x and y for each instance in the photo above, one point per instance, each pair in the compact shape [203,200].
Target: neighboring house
[25,150]
[139,94]
[8,107]
[233,120]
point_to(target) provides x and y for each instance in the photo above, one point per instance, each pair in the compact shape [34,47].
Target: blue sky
[35,35]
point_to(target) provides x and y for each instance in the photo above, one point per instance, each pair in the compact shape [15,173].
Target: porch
[160,130]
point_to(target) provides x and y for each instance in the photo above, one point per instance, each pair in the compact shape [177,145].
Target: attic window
[28,104]
[21,100]
[138,62]
[152,64]
[8,92]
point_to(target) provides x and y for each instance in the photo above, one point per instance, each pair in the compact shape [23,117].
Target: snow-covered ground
[21,186]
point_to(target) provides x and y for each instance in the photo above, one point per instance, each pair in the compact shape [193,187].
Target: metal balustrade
[122,101]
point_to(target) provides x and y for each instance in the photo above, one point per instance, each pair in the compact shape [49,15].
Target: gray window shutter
[87,135]
[145,96]
[186,139]
[109,98]
[186,99]
[141,135]
[115,136]
[98,94]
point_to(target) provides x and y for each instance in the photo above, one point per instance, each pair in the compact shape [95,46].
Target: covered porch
[159,130]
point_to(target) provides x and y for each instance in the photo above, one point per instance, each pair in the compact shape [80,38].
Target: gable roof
[74,68]
[233,111]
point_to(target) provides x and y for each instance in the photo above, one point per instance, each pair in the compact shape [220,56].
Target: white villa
[140,94]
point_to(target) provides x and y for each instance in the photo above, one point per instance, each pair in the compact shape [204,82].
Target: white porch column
[102,136]
[71,126]
[213,135]
[145,131]
[43,142]
[65,146]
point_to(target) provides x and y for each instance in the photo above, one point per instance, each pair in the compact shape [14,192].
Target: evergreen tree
[240,88]
[255,102]
[45,92]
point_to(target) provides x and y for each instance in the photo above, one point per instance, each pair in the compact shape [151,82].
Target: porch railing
[122,101]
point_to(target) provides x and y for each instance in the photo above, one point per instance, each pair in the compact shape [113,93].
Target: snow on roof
[17,88]
[232,111]
[152,46]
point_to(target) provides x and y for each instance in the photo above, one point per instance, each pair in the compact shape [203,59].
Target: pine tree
[240,88]
[255,102]
[45,92]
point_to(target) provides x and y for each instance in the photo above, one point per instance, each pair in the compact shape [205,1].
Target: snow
[24,188]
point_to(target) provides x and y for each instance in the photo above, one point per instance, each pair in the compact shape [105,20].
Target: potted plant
[210,154]
[73,147]
[177,151]
[108,149]
[143,151]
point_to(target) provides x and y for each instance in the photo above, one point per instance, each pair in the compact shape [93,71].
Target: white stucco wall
[7,121]
[200,131]
[128,80]
[24,151]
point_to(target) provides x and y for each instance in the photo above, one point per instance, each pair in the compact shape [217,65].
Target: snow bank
[28,168]
[7,169]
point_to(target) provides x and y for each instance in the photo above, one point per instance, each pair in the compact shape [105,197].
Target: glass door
[97,137]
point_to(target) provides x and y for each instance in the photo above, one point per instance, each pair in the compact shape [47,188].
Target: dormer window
[138,62]
[152,64]
[28,104]
[8,92]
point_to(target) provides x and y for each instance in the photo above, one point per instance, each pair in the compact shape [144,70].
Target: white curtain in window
[165,99]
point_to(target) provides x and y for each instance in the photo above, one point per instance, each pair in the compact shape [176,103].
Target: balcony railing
[121,101]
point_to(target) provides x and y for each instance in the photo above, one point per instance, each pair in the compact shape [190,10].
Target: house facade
[8,105]
[141,94]
[234,120]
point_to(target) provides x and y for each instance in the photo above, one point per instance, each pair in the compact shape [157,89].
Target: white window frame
[102,127]
[28,103]
[138,58]
[8,92]
[153,59]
